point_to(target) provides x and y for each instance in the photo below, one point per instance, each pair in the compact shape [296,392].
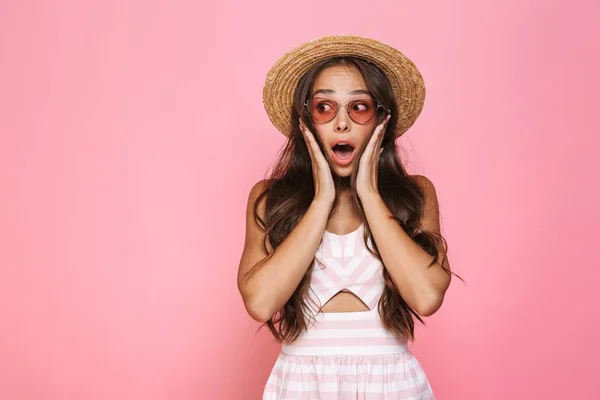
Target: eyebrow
[329,91]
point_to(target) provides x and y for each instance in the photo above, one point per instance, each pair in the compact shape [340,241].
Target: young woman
[343,248]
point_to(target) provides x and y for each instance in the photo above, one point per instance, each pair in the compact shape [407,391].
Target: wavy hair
[289,191]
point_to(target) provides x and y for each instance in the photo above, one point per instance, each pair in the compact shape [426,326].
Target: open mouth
[342,153]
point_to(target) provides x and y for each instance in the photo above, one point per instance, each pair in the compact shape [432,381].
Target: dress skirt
[347,356]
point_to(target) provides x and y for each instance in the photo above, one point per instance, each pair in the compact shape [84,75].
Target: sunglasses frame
[347,109]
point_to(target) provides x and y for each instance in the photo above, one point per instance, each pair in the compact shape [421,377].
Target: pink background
[131,133]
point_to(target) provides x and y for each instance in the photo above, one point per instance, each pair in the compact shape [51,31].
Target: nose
[342,121]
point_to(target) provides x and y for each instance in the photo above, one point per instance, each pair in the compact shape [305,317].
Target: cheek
[365,135]
[321,137]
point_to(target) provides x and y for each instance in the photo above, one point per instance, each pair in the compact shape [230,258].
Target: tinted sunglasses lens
[362,111]
[322,110]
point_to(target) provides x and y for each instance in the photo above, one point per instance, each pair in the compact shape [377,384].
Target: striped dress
[347,355]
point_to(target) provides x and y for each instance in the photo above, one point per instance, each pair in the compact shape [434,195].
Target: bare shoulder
[257,189]
[431,214]
[253,250]
[424,183]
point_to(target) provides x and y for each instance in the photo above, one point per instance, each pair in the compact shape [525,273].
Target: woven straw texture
[283,77]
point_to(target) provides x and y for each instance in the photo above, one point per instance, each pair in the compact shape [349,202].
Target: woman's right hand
[324,186]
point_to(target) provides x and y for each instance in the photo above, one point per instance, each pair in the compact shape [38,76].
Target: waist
[346,333]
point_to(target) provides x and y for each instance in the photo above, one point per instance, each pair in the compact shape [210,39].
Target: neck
[342,183]
[344,203]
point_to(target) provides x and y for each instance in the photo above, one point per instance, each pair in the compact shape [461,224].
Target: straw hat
[283,77]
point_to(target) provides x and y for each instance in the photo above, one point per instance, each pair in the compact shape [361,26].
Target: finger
[378,135]
[310,140]
[374,143]
[375,146]
[320,157]
[316,154]
[376,154]
[307,136]
[371,142]
[307,141]
[383,127]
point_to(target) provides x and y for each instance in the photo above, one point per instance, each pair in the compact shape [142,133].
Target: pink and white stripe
[347,333]
[347,264]
[347,356]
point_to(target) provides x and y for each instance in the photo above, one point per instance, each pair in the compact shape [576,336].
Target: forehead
[342,79]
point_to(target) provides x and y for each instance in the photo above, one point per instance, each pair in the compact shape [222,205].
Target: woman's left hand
[366,181]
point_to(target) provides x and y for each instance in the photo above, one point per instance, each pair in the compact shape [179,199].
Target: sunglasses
[360,111]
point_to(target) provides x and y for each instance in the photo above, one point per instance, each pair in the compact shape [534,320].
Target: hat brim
[407,83]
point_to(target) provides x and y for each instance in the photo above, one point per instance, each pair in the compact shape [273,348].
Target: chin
[345,171]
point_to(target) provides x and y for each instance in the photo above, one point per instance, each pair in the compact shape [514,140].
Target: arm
[267,289]
[421,286]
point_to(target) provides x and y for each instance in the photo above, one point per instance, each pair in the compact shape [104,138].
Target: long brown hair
[290,190]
